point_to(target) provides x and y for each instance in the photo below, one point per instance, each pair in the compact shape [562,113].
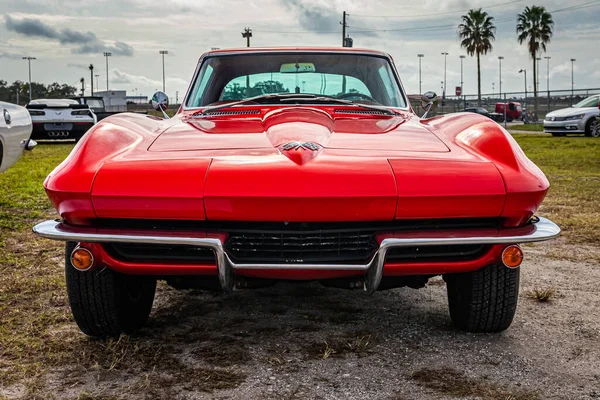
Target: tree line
[534,28]
[20,90]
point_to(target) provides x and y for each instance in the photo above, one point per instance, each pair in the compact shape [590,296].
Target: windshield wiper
[251,99]
[285,97]
[331,99]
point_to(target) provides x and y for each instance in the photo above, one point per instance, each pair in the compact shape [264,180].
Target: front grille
[436,253]
[278,242]
[299,247]
[159,253]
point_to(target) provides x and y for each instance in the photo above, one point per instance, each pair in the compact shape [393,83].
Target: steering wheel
[360,95]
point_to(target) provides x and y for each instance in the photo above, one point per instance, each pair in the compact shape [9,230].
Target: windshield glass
[356,77]
[589,102]
[95,103]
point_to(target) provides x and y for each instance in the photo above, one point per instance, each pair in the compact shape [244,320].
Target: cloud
[77,65]
[10,56]
[87,42]
[120,77]
[314,17]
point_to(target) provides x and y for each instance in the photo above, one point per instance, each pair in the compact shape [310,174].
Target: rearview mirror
[160,102]
[296,68]
[429,102]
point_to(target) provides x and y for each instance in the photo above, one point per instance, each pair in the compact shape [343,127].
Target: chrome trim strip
[537,231]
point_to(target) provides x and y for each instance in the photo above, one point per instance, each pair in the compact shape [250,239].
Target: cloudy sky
[67,35]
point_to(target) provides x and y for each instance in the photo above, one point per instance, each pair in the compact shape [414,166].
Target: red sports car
[294,164]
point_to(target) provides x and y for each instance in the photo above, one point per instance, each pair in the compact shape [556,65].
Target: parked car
[60,118]
[96,104]
[581,118]
[289,178]
[513,111]
[15,132]
[482,111]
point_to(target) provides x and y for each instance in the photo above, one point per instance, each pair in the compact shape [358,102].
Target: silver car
[15,132]
[581,118]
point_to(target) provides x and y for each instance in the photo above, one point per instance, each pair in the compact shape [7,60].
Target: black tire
[592,128]
[484,300]
[105,303]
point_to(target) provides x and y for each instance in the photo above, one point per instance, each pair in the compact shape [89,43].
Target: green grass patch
[572,165]
[527,127]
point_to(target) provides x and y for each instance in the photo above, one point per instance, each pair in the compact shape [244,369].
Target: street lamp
[420,81]
[106,55]
[548,79]
[29,62]
[97,76]
[500,58]
[572,79]
[461,80]
[444,88]
[525,73]
[162,53]
[537,78]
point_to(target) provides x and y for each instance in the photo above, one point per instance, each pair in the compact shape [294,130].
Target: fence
[546,101]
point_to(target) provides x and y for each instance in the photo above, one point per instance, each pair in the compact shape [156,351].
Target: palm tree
[91,68]
[477,32]
[534,26]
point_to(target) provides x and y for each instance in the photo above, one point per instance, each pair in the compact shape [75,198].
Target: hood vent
[363,112]
[227,113]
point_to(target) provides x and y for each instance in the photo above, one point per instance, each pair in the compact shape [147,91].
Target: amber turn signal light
[512,256]
[82,259]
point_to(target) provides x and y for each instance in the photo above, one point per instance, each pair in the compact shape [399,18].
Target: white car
[60,118]
[15,132]
[581,118]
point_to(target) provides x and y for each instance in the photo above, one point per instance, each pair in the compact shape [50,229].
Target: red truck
[513,111]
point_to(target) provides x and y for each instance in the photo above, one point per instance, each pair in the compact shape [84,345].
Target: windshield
[589,102]
[356,77]
[95,103]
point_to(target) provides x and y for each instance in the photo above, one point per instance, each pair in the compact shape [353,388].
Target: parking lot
[303,340]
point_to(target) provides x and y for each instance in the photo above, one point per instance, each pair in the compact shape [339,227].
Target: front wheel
[592,128]
[484,300]
[105,303]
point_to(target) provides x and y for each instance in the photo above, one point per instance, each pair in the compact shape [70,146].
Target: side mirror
[429,102]
[160,102]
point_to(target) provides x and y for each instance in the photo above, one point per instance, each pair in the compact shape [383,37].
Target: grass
[541,295]
[527,127]
[572,165]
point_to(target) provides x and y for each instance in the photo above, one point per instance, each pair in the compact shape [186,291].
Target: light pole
[461,81]
[500,58]
[548,79]
[162,53]
[444,88]
[106,55]
[525,73]
[97,77]
[420,81]
[29,62]
[537,78]
[572,79]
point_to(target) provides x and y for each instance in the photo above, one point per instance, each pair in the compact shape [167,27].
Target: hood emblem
[300,146]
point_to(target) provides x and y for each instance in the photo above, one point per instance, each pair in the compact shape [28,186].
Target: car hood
[340,130]
[567,112]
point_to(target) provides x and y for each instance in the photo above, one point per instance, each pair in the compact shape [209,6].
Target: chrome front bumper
[539,230]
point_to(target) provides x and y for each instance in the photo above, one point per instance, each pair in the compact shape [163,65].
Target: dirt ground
[304,341]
